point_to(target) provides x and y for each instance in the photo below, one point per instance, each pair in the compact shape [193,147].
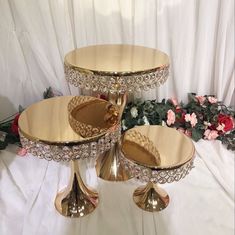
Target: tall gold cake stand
[45,132]
[116,70]
[156,155]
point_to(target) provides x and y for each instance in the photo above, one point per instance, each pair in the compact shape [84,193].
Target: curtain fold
[35,36]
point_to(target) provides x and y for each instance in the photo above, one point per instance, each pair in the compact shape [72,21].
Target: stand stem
[108,165]
[76,200]
[151,198]
[110,168]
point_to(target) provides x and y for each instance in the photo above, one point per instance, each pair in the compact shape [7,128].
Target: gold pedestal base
[109,167]
[76,200]
[151,198]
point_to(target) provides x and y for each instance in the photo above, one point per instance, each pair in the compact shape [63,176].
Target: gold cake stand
[45,132]
[116,70]
[156,155]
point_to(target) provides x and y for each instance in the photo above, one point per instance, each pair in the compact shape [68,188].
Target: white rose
[134,112]
[123,125]
[145,119]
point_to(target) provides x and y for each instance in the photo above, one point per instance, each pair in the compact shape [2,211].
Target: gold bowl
[140,155]
[90,116]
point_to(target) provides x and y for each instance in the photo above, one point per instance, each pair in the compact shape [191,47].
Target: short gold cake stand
[156,155]
[45,132]
[116,70]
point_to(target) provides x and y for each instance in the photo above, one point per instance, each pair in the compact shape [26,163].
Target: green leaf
[3,145]
[196,135]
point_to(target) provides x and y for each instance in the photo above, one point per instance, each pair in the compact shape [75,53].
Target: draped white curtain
[35,36]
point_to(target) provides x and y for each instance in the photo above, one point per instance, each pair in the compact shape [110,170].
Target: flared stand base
[151,198]
[76,200]
[110,168]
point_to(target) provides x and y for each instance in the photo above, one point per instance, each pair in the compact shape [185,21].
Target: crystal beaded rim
[113,83]
[70,152]
[81,128]
[161,176]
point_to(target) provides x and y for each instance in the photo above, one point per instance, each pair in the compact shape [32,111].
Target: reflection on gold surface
[108,165]
[116,58]
[174,148]
[47,121]
[151,198]
[90,116]
[76,200]
[96,113]
[134,141]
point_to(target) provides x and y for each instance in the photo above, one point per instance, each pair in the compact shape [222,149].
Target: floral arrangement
[9,130]
[203,117]
[9,126]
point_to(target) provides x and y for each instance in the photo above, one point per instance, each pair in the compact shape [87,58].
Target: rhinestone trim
[144,142]
[160,176]
[70,152]
[116,84]
[81,128]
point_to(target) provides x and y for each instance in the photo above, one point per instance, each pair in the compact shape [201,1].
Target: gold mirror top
[117,58]
[174,148]
[47,121]
[90,116]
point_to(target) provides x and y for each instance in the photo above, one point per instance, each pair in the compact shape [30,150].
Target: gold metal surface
[89,116]
[151,198]
[45,131]
[174,147]
[176,155]
[109,167]
[135,142]
[116,59]
[77,200]
[53,114]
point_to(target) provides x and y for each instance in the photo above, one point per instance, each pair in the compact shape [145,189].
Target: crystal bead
[93,145]
[48,156]
[93,154]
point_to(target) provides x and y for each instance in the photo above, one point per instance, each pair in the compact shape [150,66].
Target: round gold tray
[90,116]
[116,68]
[45,132]
[176,153]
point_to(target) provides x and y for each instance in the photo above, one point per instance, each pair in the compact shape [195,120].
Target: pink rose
[187,117]
[22,152]
[191,118]
[212,99]
[174,101]
[207,123]
[211,134]
[220,127]
[201,99]
[180,129]
[170,117]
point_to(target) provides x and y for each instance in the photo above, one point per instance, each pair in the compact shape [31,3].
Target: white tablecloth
[200,204]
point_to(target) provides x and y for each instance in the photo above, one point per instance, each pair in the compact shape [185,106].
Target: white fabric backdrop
[35,36]
[200,204]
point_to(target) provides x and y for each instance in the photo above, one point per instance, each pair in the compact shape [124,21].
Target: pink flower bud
[170,117]
[212,99]
[211,134]
[22,152]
